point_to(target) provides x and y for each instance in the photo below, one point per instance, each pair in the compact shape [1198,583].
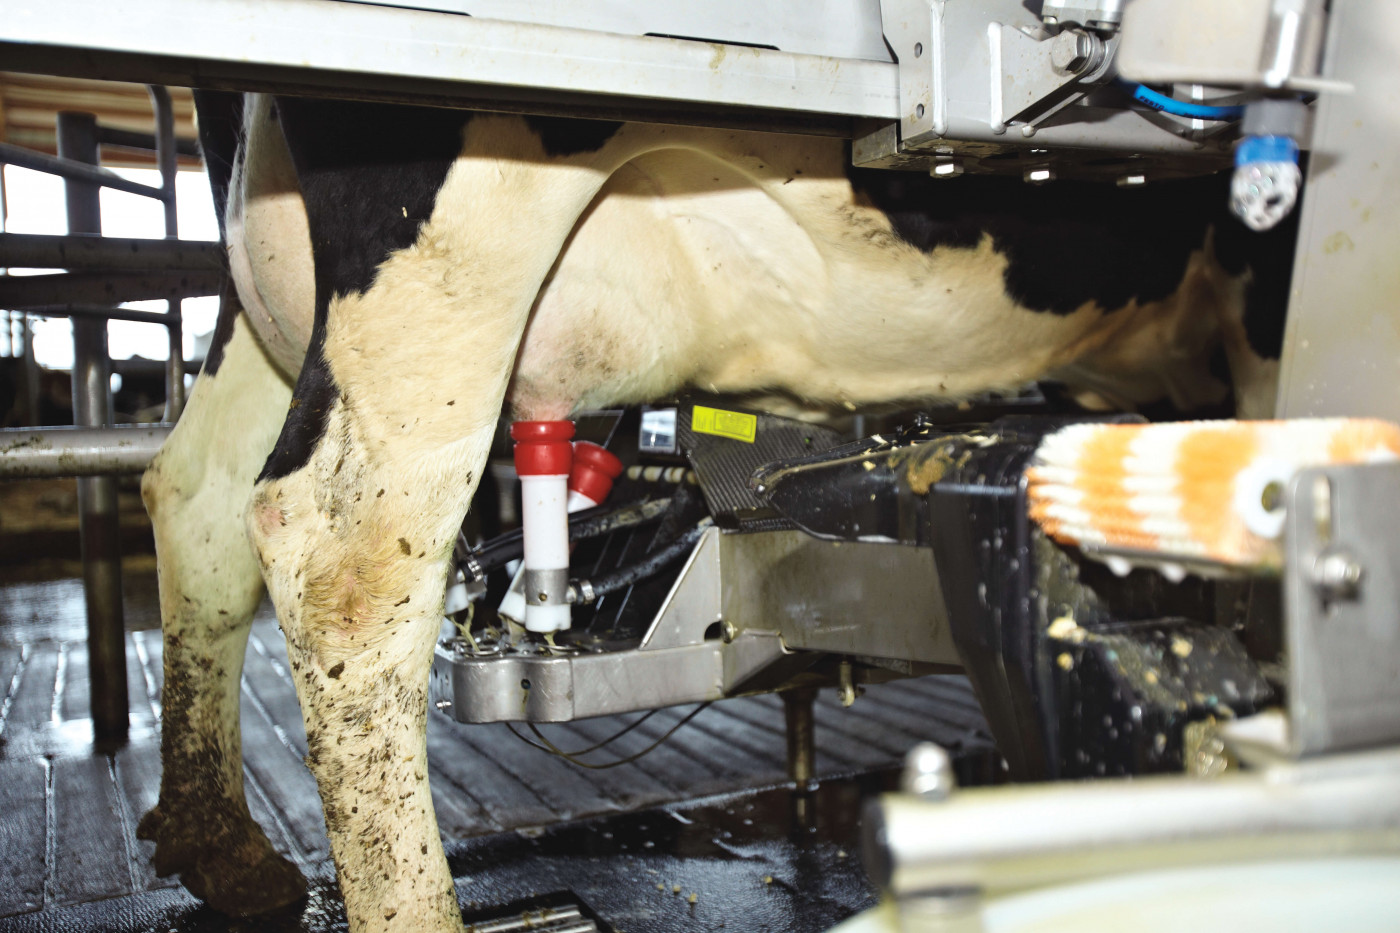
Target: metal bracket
[914,30]
[1341,593]
[968,71]
[1029,73]
[694,603]
[783,598]
[1026,66]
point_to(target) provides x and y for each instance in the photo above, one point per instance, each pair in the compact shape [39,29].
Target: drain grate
[541,915]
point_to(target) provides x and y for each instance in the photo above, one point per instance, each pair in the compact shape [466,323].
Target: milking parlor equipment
[1244,671]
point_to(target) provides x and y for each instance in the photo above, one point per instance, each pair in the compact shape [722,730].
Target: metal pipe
[19,292]
[97,495]
[27,454]
[99,312]
[175,332]
[142,142]
[126,254]
[1015,837]
[801,742]
[72,170]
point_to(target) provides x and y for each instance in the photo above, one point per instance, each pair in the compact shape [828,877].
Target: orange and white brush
[1202,490]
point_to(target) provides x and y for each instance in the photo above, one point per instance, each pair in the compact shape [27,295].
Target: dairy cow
[405,273]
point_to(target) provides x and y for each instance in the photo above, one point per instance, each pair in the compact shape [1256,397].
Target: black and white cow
[419,269]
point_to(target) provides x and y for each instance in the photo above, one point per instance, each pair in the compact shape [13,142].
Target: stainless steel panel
[1341,352]
[376,49]
[839,28]
[876,600]
[693,604]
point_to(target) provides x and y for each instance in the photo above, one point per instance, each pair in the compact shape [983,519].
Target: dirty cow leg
[356,513]
[196,490]
[361,609]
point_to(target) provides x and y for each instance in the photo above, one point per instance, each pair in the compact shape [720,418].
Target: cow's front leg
[354,546]
[356,568]
[355,515]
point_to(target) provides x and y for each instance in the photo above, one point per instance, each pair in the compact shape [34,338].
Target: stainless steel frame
[747,611]
[419,55]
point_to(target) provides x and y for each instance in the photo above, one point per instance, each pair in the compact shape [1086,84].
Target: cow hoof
[238,874]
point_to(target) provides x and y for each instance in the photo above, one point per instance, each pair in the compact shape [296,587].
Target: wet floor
[756,862]
[701,834]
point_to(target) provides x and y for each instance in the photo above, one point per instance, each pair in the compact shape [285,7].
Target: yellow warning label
[731,424]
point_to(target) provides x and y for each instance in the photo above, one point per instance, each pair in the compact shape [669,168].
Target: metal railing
[100,274]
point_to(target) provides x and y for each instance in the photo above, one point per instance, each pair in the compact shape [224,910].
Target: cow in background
[404,273]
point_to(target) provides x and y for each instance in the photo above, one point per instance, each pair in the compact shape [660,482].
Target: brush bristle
[1199,490]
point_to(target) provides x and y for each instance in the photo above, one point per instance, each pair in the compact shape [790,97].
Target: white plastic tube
[543,459]
[589,482]
[545,568]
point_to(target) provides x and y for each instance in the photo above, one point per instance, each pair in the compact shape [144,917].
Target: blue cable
[1144,94]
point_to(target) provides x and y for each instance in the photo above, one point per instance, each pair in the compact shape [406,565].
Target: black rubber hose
[648,566]
[501,550]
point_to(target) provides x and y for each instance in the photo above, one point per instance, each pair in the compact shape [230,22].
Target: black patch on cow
[220,122]
[1067,243]
[566,136]
[220,119]
[229,309]
[369,175]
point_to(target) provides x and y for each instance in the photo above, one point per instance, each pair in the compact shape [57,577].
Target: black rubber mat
[523,824]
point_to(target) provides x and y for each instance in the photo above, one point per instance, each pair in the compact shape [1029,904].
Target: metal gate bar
[95,450]
[98,525]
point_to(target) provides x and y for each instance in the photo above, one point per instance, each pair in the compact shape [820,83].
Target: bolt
[928,772]
[729,632]
[1337,575]
[1075,51]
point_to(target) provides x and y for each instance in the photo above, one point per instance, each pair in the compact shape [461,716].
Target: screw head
[1337,574]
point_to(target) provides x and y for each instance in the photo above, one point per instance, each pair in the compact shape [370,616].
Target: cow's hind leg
[196,491]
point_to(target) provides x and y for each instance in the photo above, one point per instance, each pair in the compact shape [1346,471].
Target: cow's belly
[740,264]
[685,273]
